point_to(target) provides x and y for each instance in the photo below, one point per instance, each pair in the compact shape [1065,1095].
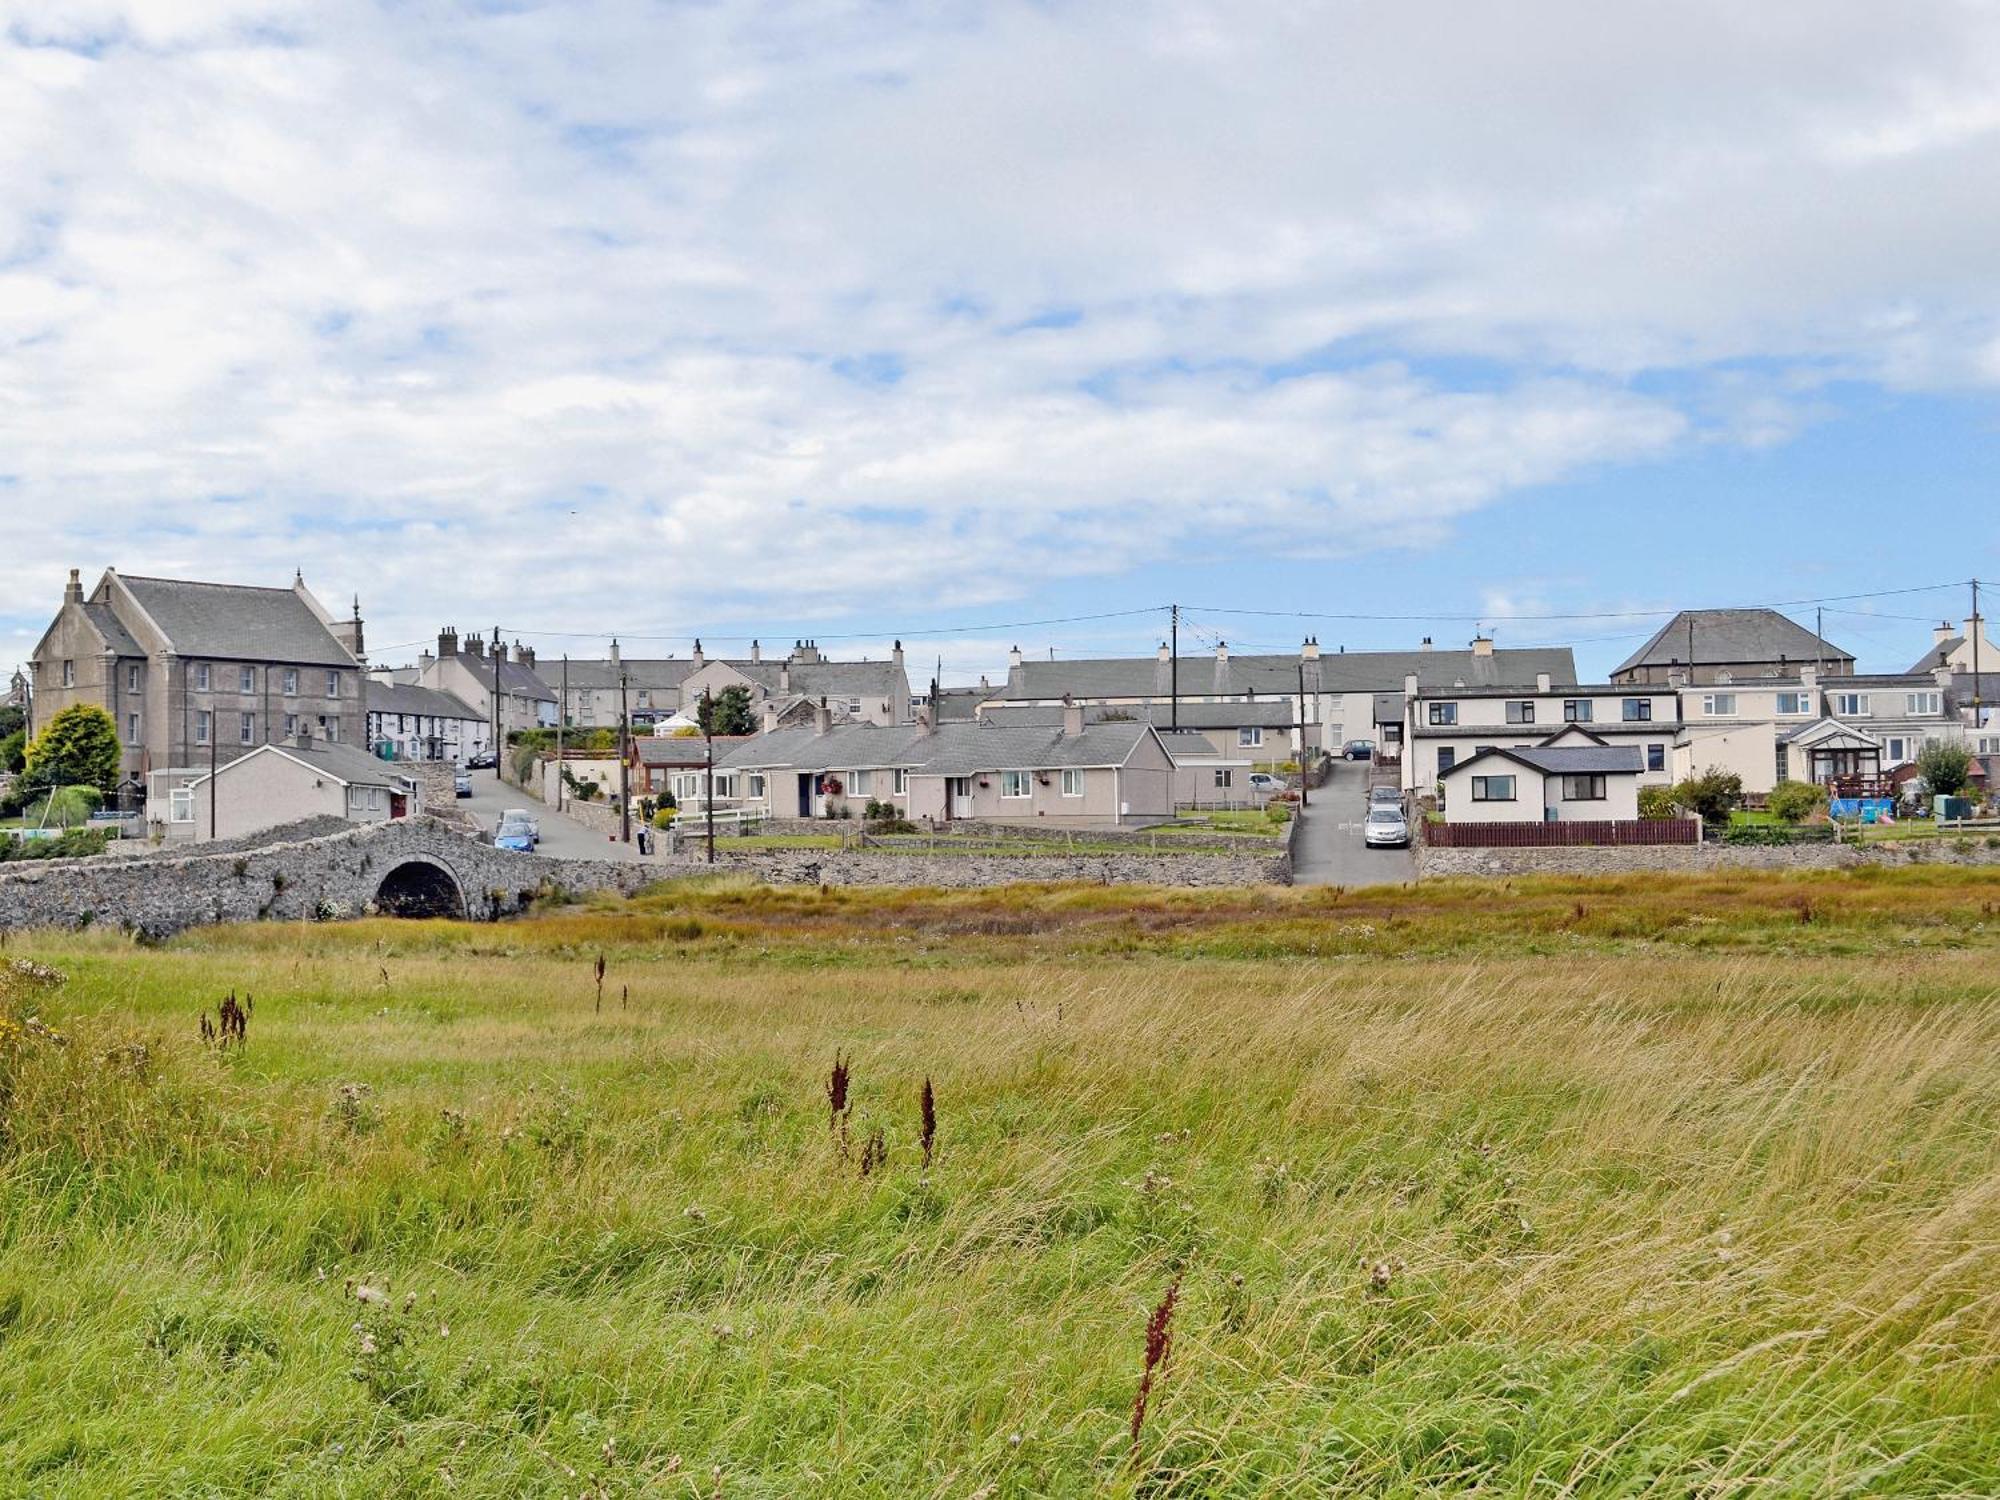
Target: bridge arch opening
[420,888]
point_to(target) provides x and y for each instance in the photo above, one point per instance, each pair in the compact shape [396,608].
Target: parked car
[1385,829]
[1264,784]
[1358,750]
[486,761]
[527,819]
[462,784]
[1386,796]
[513,835]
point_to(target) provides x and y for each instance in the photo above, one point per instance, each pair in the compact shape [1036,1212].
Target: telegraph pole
[1174,666]
[1305,775]
[1978,629]
[708,734]
[495,649]
[624,763]
[562,718]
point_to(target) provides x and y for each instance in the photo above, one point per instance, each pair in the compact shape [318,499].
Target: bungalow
[278,784]
[1581,778]
[1110,772]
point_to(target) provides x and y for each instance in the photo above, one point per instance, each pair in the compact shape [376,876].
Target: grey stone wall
[1435,864]
[970,871]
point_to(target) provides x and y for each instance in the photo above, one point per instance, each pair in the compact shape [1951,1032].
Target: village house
[1570,777]
[406,722]
[472,674]
[1448,725]
[1729,645]
[197,673]
[1333,696]
[274,785]
[1106,772]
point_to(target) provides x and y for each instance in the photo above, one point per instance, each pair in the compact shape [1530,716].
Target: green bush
[1711,795]
[1945,767]
[663,817]
[1795,801]
[76,843]
[79,747]
[1658,802]
[1772,834]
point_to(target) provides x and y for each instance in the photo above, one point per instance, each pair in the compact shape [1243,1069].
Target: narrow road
[562,837]
[1330,850]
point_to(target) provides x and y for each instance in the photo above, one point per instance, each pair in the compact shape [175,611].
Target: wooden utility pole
[495,649]
[1978,629]
[708,734]
[213,727]
[1305,772]
[624,765]
[1174,666]
[562,718]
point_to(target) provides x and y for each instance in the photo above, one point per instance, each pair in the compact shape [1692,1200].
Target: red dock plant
[1159,1343]
[836,1089]
[874,1152]
[927,1106]
[600,983]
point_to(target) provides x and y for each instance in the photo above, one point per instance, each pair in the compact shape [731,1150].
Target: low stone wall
[1436,864]
[972,871]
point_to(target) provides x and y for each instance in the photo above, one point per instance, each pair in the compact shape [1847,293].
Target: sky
[1009,323]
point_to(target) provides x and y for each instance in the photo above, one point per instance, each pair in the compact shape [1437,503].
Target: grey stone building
[198,672]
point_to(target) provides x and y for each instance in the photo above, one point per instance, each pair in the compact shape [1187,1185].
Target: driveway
[562,837]
[1329,849]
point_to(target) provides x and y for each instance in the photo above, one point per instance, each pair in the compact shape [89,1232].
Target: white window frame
[246,729]
[860,783]
[1072,783]
[1224,779]
[180,805]
[333,684]
[1016,786]
[201,677]
[756,786]
[246,679]
[1925,703]
[1250,736]
[291,682]
[68,673]
[1795,703]
[1719,705]
[132,735]
[204,725]
[899,782]
[1851,706]
[132,677]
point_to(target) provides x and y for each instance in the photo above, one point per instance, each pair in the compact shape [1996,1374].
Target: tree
[13,720]
[78,748]
[1795,801]
[727,712]
[1711,795]
[1945,767]
[14,750]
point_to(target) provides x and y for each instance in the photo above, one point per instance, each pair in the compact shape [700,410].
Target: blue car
[515,833]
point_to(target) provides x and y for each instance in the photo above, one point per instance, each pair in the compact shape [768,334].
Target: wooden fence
[1636,832]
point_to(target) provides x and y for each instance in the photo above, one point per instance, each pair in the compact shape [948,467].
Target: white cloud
[775,312]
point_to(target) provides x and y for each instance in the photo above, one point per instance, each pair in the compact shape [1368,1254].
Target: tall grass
[1633,1214]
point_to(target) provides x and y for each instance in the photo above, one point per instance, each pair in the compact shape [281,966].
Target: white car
[1263,784]
[1386,828]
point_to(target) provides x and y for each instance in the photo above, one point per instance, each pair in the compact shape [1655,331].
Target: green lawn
[1647,1186]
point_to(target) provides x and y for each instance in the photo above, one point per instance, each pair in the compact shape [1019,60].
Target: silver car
[1386,828]
[1386,796]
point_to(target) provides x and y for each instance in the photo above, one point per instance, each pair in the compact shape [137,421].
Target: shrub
[79,747]
[77,843]
[1711,795]
[1795,801]
[663,818]
[1658,802]
[1945,767]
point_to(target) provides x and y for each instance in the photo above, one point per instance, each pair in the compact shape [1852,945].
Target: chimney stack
[448,641]
[1542,682]
[475,645]
[822,718]
[896,654]
[756,651]
[1166,654]
[1310,651]
[1942,632]
[1072,721]
[1424,647]
[425,661]
[614,651]
[770,716]
[525,655]
[785,675]
[1013,656]
[499,649]
[695,655]
[1482,644]
[73,590]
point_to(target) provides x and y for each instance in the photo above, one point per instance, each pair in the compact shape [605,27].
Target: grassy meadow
[1627,1188]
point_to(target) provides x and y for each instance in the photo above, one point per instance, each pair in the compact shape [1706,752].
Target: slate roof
[656,752]
[407,698]
[1186,745]
[1264,713]
[1929,659]
[957,705]
[237,621]
[1239,676]
[587,673]
[515,680]
[116,636]
[1731,637]
[948,750]
[340,762]
[830,679]
[1565,760]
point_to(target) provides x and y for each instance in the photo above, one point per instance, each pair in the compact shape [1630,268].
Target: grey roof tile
[237,621]
[1730,636]
[408,698]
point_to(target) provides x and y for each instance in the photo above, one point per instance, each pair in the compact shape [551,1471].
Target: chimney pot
[1424,647]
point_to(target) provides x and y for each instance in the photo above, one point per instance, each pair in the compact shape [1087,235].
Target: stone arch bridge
[415,867]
